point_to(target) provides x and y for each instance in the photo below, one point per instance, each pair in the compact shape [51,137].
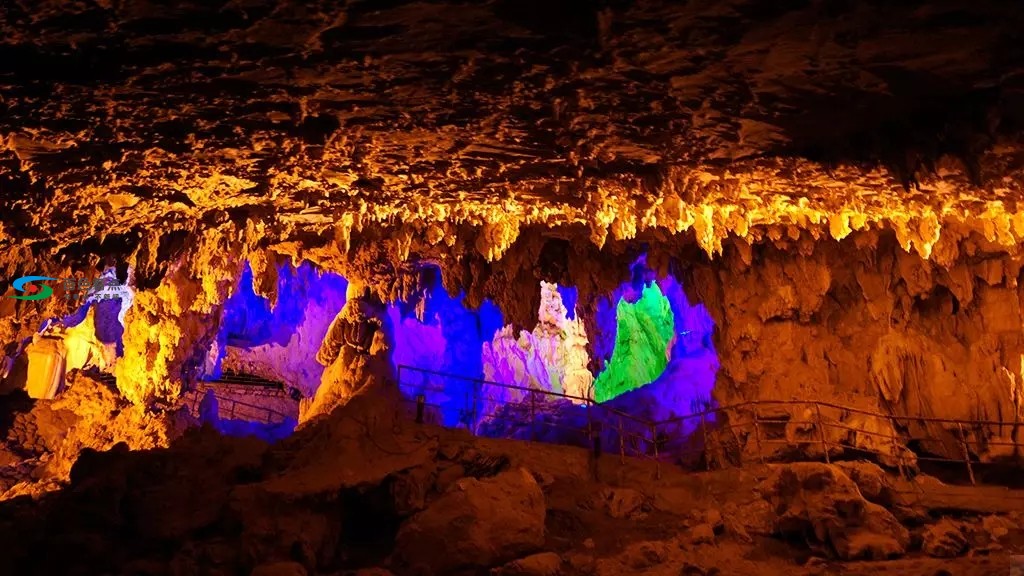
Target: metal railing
[629,433]
[255,383]
[719,436]
[234,409]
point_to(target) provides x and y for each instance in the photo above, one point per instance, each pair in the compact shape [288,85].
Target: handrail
[585,400]
[889,438]
[271,416]
[709,411]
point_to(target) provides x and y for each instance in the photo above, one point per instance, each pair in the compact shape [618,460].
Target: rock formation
[278,337]
[707,143]
[426,500]
[553,357]
[793,229]
[44,438]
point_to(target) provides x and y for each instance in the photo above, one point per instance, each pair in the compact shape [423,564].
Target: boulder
[944,539]
[754,517]
[702,534]
[477,523]
[996,527]
[870,479]
[409,488]
[878,536]
[279,569]
[274,525]
[714,518]
[175,492]
[639,556]
[821,500]
[543,564]
[621,502]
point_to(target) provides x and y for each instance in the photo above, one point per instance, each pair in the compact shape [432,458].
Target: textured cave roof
[122,116]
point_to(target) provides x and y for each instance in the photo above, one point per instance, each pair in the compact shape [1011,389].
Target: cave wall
[867,320]
[169,328]
[278,337]
[435,331]
[863,323]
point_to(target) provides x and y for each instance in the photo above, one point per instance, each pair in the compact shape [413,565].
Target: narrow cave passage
[263,361]
[435,332]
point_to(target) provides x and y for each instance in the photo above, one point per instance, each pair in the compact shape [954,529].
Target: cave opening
[655,347]
[262,362]
[656,350]
[438,347]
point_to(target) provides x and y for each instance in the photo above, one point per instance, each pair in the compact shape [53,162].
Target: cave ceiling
[464,123]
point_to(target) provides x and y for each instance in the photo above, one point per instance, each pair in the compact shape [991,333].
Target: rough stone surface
[870,480]
[477,523]
[543,564]
[139,512]
[622,502]
[279,569]
[820,500]
[944,539]
[702,534]
[872,328]
[304,115]
[46,437]
[509,151]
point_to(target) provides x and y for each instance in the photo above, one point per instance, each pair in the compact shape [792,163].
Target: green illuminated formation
[643,331]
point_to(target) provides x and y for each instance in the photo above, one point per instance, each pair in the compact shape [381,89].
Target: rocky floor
[40,440]
[364,492]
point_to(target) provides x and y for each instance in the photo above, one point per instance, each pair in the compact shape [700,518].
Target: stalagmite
[756,263]
[355,355]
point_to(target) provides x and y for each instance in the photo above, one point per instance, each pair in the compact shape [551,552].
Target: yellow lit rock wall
[168,329]
[865,324]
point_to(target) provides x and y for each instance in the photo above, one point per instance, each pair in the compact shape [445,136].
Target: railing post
[590,419]
[476,400]
[820,425]
[707,445]
[739,449]
[757,435]
[421,402]
[533,416]
[657,461]
[967,452]
[897,453]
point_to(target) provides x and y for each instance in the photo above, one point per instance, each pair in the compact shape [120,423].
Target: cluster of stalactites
[713,207]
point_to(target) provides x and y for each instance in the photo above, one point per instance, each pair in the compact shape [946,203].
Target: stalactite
[169,329]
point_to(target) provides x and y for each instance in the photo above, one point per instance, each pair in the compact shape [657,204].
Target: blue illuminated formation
[447,338]
[268,432]
[569,296]
[253,322]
